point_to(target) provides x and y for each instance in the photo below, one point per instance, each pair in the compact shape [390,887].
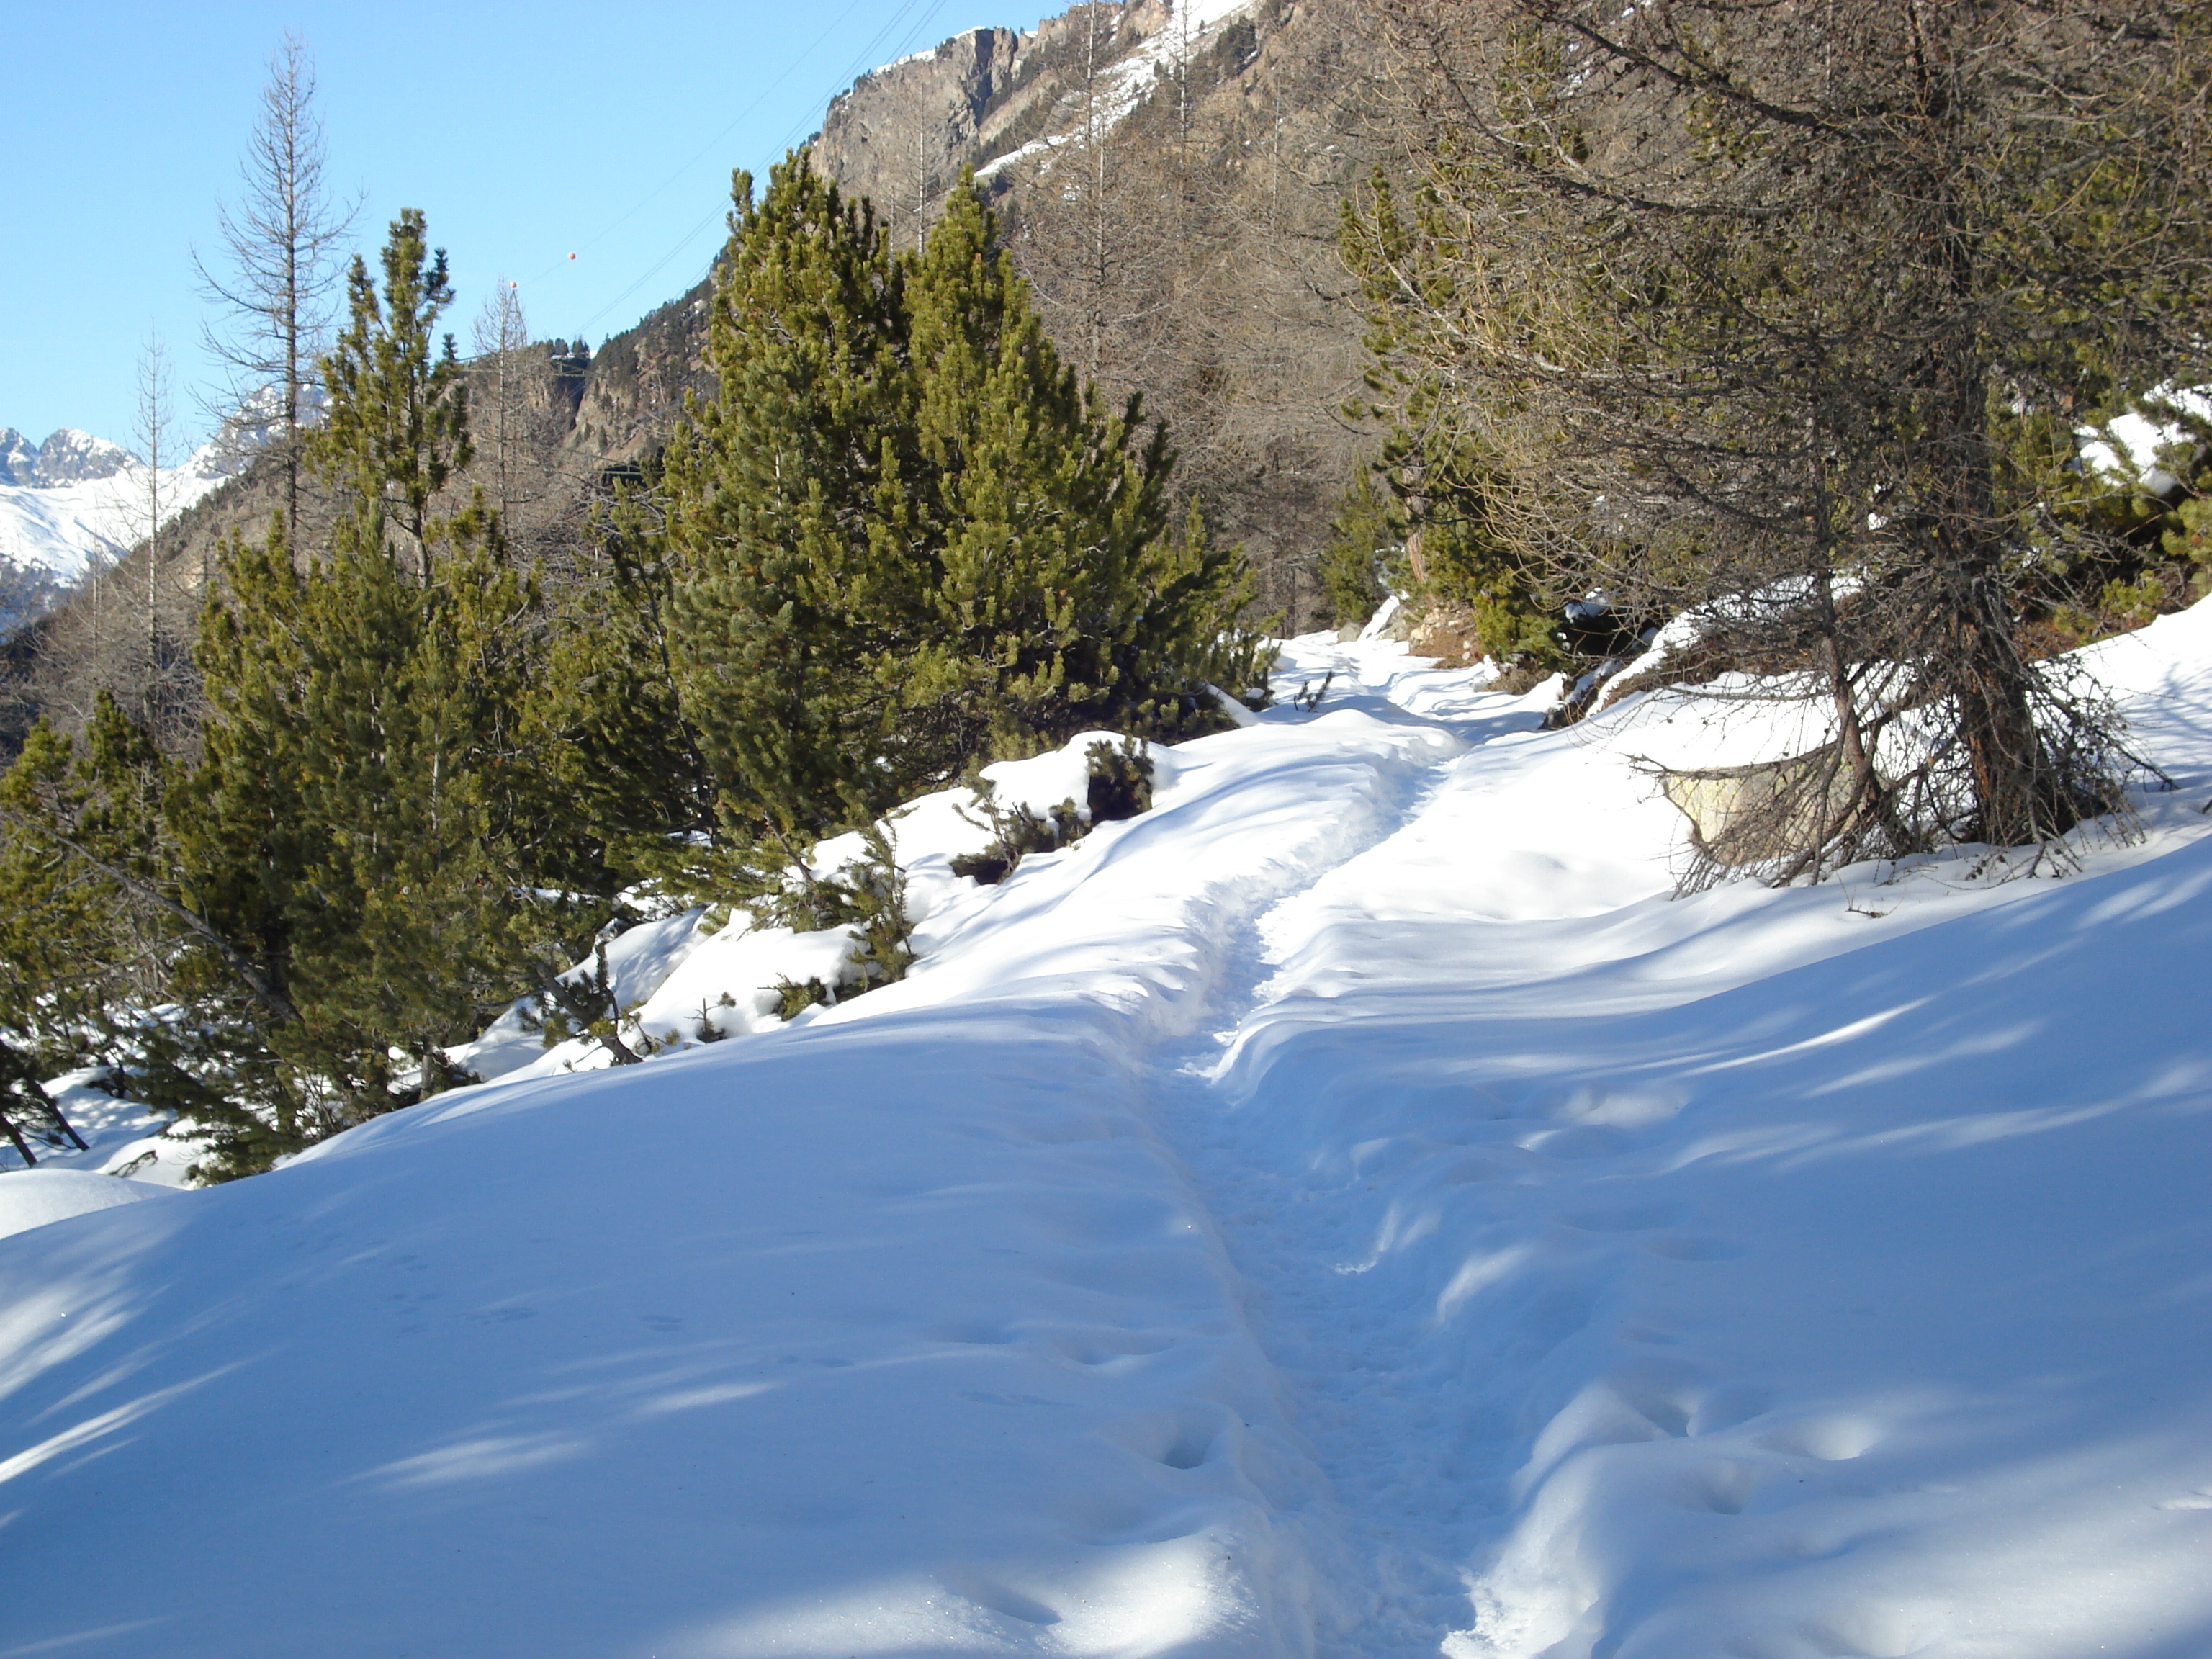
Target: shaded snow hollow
[1350,1210]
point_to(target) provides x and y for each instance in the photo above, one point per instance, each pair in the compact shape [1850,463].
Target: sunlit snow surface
[1350,1209]
[66,528]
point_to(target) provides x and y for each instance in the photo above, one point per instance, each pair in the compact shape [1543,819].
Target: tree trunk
[61,1122]
[7,1122]
[1974,637]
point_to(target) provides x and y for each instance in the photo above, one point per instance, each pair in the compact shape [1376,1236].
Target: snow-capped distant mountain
[77,497]
[68,456]
[18,461]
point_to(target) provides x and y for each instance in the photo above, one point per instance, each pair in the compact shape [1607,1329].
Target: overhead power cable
[865,59]
[638,203]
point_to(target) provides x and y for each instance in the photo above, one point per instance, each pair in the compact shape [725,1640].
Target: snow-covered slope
[79,498]
[1350,1209]
[1189,29]
[44,1196]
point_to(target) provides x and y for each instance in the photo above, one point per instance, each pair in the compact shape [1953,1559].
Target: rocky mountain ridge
[902,134]
[897,134]
[68,456]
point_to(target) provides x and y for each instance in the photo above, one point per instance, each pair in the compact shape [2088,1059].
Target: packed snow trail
[1385,1553]
[1350,1209]
[1383,1537]
[1773,1275]
[893,1331]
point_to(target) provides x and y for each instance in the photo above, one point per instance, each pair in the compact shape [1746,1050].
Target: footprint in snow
[1001,1599]
[1835,1438]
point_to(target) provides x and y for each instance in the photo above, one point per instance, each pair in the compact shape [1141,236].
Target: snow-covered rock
[69,456]
[18,458]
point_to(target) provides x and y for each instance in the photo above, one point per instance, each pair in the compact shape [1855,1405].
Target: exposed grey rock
[69,456]
[900,135]
[19,462]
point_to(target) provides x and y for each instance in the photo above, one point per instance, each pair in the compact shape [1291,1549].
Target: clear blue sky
[524,132]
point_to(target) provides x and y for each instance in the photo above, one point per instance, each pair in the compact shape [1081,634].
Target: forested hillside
[1227,315]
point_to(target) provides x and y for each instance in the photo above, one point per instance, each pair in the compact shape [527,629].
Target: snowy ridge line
[65,527]
[675,973]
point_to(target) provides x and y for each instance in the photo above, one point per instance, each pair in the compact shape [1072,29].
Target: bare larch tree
[278,271]
[1786,316]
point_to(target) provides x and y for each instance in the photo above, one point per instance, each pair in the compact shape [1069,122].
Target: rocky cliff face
[68,456]
[630,396]
[900,135]
[903,133]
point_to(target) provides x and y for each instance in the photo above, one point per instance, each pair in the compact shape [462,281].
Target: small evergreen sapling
[584,1006]
[794,997]
[1119,786]
[877,887]
[710,1029]
[1015,834]
[867,897]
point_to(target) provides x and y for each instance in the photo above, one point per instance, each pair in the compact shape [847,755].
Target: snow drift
[1350,1209]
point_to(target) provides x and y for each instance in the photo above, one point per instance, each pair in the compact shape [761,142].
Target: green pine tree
[611,723]
[1363,536]
[86,912]
[904,538]
[372,821]
[1063,600]
[93,922]
[790,517]
[396,426]
[248,1068]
